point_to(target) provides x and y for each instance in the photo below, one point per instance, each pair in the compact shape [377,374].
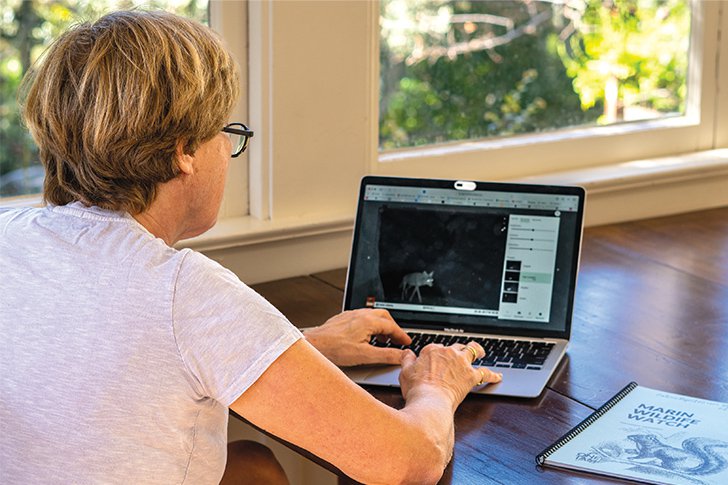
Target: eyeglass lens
[238,142]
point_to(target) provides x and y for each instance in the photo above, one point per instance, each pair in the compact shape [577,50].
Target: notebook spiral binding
[541,457]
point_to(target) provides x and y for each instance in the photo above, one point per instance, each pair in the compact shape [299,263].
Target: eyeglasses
[239,135]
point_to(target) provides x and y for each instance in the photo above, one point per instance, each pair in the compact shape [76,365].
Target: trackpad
[358,374]
[384,376]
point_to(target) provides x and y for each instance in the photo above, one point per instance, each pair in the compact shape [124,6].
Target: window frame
[229,18]
[311,95]
[583,147]
[300,99]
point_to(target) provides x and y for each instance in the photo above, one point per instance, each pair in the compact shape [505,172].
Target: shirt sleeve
[226,333]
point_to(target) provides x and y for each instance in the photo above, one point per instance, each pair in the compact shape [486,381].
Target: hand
[344,339]
[448,368]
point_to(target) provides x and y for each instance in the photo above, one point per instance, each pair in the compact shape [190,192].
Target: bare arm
[305,399]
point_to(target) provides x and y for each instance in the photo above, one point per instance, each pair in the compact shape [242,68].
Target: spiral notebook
[648,436]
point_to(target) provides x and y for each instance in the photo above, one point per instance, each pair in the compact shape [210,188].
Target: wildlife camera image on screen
[441,258]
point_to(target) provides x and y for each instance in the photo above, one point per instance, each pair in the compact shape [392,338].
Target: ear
[184,160]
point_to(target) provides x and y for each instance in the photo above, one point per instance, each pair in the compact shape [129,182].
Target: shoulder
[9,214]
[200,276]
[226,334]
[204,285]
[197,265]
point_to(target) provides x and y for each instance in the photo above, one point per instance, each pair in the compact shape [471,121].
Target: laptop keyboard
[515,354]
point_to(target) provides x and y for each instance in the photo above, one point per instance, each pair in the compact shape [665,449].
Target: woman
[122,355]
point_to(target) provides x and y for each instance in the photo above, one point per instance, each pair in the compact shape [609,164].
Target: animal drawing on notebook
[693,458]
[412,283]
[696,455]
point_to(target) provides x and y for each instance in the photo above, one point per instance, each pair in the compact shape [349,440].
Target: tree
[629,53]
[453,70]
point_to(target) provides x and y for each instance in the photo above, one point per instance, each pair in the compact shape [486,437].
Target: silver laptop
[455,261]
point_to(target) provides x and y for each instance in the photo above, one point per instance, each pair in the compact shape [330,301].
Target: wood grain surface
[651,306]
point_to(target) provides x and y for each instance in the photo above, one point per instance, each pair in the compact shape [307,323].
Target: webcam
[464,185]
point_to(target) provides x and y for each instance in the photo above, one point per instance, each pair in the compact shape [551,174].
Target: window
[314,81]
[468,70]
[315,94]
[28,27]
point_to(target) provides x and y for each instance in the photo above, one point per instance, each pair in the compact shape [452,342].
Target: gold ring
[482,377]
[472,351]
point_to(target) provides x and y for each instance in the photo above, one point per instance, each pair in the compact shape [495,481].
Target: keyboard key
[518,354]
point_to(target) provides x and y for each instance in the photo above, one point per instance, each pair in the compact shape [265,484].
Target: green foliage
[450,69]
[28,27]
[456,70]
[637,46]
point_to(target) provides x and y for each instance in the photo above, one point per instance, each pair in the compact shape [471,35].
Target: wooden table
[651,306]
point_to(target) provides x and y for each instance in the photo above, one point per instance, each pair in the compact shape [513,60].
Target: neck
[157,226]
[166,217]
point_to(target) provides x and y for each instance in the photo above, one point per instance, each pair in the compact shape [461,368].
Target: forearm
[430,411]
[341,423]
[414,446]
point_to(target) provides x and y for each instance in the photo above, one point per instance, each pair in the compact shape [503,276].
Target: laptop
[459,260]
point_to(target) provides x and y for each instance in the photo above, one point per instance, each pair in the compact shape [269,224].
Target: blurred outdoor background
[449,70]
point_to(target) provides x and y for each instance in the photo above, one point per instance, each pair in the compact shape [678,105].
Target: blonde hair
[110,101]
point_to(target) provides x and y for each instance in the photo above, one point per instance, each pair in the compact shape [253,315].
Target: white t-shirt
[119,355]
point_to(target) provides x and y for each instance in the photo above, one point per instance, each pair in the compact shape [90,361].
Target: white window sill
[247,230]
[538,139]
[633,175]
[605,181]
[641,173]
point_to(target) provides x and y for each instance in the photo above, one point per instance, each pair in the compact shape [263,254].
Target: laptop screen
[498,258]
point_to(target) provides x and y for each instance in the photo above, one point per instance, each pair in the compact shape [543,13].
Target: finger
[408,359]
[377,355]
[479,351]
[470,352]
[408,362]
[400,336]
[380,322]
[483,376]
[430,347]
[384,324]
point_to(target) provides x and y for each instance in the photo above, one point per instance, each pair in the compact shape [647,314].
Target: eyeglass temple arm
[248,133]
